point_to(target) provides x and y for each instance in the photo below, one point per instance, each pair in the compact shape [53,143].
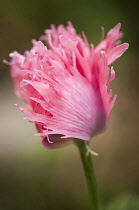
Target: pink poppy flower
[66,83]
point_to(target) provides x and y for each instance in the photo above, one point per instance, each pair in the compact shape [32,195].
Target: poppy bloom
[65,83]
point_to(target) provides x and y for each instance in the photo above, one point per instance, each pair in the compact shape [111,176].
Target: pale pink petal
[116,52]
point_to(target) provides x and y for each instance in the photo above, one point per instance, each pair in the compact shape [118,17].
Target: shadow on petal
[55,141]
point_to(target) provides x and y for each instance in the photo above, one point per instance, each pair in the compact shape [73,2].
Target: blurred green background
[32,177]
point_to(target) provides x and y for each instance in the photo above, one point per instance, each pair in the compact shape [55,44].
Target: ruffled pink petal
[66,84]
[53,140]
[116,52]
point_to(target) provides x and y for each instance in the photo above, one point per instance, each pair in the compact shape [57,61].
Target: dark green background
[32,177]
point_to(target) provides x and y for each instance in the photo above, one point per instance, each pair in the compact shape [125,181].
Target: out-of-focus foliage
[126,202]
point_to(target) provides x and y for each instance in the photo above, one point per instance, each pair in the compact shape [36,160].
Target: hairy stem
[89,173]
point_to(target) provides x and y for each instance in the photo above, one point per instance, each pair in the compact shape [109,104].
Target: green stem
[89,173]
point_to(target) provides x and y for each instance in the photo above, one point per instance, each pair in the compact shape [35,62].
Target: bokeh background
[32,177]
